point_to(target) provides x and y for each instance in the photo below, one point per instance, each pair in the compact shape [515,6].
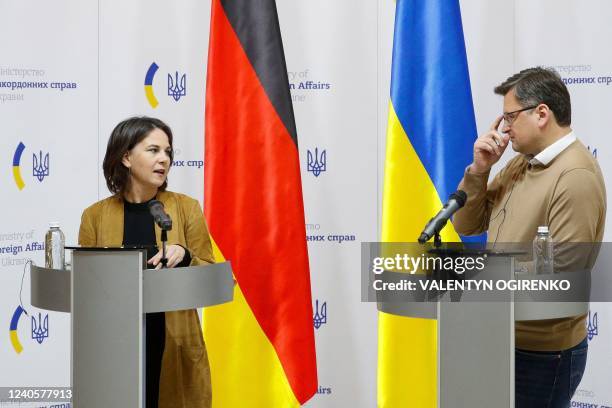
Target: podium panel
[107,328]
[476,337]
[107,293]
[476,348]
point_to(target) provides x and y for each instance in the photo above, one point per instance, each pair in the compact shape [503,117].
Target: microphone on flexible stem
[435,225]
[164,222]
[162,219]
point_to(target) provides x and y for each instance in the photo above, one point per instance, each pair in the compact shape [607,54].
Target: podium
[107,293]
[475,345]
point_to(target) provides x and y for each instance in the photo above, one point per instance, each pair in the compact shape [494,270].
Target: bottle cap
[54,224]
[543,229]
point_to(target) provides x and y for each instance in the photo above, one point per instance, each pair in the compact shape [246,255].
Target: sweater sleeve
[576,210]
[473,218]
[576,215]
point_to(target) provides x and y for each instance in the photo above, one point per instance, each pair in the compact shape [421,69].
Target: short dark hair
[533,86]
[123,138]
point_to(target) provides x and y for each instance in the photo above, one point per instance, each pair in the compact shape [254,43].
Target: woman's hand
[174,253]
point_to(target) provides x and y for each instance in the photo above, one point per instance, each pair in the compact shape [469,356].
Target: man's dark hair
[124,137]
[533,86]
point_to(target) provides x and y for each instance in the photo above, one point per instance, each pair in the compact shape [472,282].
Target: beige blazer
[185,374]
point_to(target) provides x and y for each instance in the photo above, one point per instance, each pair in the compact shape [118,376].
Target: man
[554,181]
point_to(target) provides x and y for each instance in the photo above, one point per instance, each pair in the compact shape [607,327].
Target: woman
[136,165]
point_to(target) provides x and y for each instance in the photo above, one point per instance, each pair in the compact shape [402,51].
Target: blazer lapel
[112,223]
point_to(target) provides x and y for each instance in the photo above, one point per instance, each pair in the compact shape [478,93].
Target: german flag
[261,346]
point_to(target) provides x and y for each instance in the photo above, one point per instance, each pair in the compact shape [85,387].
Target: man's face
[523,127]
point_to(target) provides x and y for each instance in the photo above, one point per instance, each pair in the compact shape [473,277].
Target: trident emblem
[177,88]
[40,166]
[592,329]
[320,317]
[317,164]
[40,329]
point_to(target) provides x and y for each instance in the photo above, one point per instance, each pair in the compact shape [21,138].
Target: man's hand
[488,148]
[174,253]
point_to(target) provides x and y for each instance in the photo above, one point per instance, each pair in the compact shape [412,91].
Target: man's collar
[547,155]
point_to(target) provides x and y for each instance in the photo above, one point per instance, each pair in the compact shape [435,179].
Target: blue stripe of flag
[430,88]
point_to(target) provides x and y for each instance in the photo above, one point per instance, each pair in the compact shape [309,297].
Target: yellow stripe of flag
[262,379]
[407,364]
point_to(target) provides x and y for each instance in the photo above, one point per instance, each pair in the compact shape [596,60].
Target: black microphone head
[154,203]
[161,218]
[460,196]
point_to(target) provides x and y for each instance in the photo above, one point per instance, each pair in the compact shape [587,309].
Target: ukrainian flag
[430,135]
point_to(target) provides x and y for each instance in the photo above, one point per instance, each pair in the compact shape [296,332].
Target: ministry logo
[177,88]
[592,326]
[316,164]
[320,315]
[39,329]
[40,165]
[177,85]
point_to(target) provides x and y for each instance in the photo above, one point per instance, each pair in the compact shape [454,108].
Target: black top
[138,225]
[139,230]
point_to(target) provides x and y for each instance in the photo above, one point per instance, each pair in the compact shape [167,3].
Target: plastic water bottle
[543,256]
[54,247]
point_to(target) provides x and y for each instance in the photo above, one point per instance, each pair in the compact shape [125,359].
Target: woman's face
[149,161]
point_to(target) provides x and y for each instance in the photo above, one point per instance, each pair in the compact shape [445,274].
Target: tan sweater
[568,195]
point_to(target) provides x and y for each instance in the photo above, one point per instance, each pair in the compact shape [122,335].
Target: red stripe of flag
[253,194]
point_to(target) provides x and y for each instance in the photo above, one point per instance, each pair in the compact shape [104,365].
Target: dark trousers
[155,342]
[548,379]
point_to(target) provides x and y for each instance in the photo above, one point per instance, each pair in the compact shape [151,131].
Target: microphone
[162,219]
[435,225]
